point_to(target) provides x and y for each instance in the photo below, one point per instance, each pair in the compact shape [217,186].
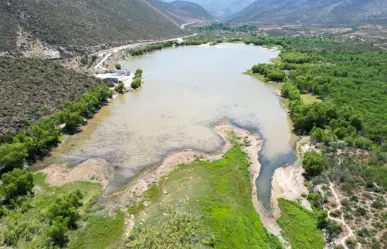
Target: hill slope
[80,23]
[33,88]
[182,11]
[313,11]
[223,8]
[188,11]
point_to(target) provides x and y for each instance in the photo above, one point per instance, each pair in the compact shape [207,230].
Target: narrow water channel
[187,90]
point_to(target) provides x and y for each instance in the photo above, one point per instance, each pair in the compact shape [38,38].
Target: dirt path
[341,220]
[108,52]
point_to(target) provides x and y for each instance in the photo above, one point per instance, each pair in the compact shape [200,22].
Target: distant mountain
[222,8]
[183,11]
[312,11]
[37,25]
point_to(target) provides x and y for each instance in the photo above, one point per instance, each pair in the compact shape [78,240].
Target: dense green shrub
[72,120]
[120,87]
[12,155]
[314,163]
[136,83]
[271,71]
[65,209]
[138,73]
[297,58]
[16,183]
[137,79]
[151,47]
[56,232]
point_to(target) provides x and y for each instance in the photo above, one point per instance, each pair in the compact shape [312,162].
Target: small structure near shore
[119,75]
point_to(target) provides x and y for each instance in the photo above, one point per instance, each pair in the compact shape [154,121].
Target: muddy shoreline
[97,170]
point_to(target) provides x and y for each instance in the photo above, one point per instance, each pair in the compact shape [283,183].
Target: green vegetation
[137,79]
[48,218]
[335,92]
[120,87]
[151,47]
[299,226]
[214,204]
[175,230]
[272,72]
[45,133]
[223,28]
[314,163]
[14,184]
[308,99]
[101,232]
[197,40]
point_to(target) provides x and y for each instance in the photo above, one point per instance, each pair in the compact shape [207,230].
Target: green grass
[100,232]
[299,226]
[45,194]
[309,99]
[220,193]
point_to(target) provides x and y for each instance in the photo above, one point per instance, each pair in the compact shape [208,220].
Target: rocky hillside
[181,12]
[312,11]
[223,8]
[31,27]
[33,88]
[188,11]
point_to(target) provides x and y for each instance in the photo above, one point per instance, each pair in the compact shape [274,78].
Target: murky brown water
[187,90]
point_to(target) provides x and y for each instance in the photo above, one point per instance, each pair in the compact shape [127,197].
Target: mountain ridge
[65,27]
[312,12]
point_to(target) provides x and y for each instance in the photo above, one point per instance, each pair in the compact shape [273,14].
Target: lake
[187,91]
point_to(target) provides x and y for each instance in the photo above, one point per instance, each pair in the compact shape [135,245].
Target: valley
[152,124]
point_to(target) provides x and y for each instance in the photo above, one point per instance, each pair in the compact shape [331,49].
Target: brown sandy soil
[288,183]
[348,232]
[94,170]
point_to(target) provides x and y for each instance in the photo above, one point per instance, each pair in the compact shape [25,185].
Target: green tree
[136,83]
[16,183]
[314,163]
[57,232]
[12,155]
[118,66]
[120,87]
[322,219]
[72,120]
[65,209]
[138,73]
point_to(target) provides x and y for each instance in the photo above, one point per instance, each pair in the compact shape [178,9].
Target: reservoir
[187,91]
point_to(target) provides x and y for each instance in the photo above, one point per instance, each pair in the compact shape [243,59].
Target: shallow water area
[187,91]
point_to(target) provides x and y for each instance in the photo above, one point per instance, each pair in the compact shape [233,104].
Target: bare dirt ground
[349,233]
[94,170]
[288,182]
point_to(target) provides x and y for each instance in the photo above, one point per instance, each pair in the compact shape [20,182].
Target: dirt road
[108,52]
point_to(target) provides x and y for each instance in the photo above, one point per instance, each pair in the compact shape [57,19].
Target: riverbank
[159,186]
[288,182]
